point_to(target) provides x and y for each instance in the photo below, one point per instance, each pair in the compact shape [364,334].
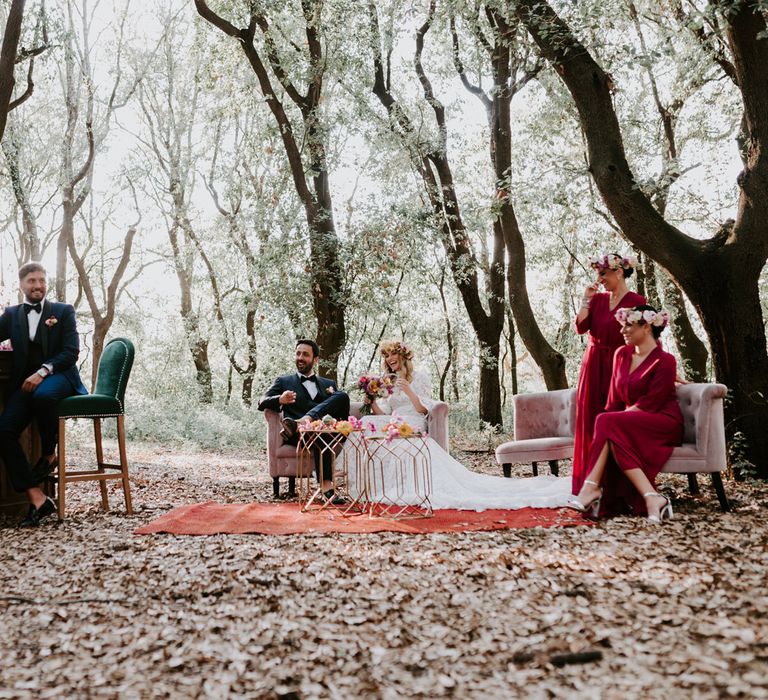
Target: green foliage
[179,420]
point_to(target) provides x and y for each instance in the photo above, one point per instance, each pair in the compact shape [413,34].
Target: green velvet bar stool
[106,401]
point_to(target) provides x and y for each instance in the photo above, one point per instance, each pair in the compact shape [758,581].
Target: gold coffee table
[398,476]
[346,465]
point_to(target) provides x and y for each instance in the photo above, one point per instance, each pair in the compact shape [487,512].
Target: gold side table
[398,477]
[346,453]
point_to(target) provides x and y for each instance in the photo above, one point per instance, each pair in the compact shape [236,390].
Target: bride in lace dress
[453,485]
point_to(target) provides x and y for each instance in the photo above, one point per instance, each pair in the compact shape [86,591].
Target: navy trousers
[336,405]
[21,408]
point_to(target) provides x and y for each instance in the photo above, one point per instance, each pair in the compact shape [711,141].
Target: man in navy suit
[45,349]
[303,394]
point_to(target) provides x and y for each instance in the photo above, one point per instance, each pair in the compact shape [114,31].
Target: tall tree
[169,104]
[276,54]
[720,275]
[511,69]
[431,160]
[92,277]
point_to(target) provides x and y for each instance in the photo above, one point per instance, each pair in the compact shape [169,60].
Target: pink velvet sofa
[282,458]
[544,424]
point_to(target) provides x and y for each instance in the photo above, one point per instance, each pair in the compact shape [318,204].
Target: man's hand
[31,382]
[285,398]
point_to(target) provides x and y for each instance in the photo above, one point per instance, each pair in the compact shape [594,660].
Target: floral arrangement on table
[611,261]
[654,318]
[374,387]
[396,427]
[332,425]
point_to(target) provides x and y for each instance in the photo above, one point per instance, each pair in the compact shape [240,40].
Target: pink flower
[52,321]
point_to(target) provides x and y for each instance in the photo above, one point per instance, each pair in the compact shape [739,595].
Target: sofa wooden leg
[276,486]
[507,469]
[535,466]
[291,487]
[693,485]
[717,482]
[554,467]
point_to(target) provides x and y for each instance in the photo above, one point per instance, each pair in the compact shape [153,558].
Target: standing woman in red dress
[598,316]
[641,424]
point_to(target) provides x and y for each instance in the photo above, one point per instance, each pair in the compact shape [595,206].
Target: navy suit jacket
[303,403]
[58,338]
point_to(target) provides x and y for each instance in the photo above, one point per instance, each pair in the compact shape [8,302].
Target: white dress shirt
[33,317]
[33,321]
[309,385]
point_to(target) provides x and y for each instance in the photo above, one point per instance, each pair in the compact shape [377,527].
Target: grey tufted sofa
[544,424]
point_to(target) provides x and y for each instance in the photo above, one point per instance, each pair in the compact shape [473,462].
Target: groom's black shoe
[289,430]
[35,515]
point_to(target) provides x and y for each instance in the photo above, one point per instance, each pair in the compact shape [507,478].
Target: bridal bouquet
[374,387]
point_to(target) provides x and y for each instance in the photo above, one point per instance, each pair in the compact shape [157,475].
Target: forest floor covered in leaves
[90,610]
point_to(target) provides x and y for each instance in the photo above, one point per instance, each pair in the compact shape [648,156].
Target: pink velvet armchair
[544,424]
[282,458]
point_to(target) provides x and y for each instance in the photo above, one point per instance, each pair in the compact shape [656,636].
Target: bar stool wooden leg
[100,463]
[124,463]
[62,468]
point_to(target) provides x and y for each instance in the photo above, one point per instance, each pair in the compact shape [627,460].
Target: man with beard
[45,350]
[304,395]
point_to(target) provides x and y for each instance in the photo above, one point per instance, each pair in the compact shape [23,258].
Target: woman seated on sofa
[642,423]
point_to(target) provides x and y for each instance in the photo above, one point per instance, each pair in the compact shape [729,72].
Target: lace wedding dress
[455,486]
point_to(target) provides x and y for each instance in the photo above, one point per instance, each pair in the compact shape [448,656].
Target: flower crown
[611,261]
[660,319]
[397,348]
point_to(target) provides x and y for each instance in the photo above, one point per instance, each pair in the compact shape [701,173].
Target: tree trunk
[742,365]
[512,354]
[100,330]
[66,234]
[198,345]
[11,36]
[30,239]
[693,352]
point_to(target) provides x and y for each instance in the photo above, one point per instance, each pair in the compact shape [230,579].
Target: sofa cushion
[535,450]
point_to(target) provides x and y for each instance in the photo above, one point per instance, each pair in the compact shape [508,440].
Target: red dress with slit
[640,439]
[595,377]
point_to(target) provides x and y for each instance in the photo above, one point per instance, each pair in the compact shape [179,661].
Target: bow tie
[312,379]
[28,307]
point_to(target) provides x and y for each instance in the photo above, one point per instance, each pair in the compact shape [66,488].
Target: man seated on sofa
[305,395]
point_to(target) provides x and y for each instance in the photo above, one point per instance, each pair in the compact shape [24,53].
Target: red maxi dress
[595,377]
[640,439]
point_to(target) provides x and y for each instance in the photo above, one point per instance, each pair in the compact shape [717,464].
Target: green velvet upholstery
[89,405]
[111,381]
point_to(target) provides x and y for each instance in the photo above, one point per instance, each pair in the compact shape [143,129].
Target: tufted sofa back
[545,414]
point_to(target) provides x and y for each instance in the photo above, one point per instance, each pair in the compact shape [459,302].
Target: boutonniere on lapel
[51,322]
[329,390]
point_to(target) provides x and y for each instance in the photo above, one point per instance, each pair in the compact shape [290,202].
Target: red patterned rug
[286,519]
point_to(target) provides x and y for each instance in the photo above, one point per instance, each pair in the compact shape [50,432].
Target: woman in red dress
[598,316]
[641,424]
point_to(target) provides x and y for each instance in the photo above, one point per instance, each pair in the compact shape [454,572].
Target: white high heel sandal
[593,507]
[665,512]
